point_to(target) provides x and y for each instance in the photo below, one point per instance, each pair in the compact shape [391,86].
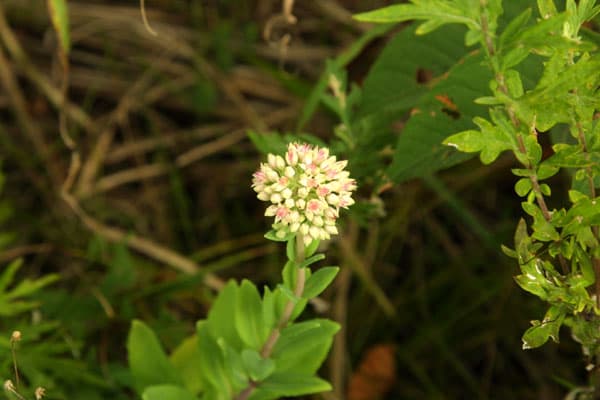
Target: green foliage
[148,362]
[167,392]
[559,249]
[13,300]
[247,342]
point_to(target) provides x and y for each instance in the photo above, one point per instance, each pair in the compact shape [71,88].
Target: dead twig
[145,19]
[142,245]
[53,94]
[26,123]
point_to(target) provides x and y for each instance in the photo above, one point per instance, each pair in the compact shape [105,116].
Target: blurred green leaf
[258,368]
[219,320]
[59,15]
[212,364]
[290,384]
[436,12]
[167,392]
[540,332]
[186,360]
[248,316]
[148,362]
[303,346]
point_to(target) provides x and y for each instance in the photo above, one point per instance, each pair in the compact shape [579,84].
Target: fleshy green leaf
[523,186]
[248,316]
[212,363]
[147,360]
[291,384]
[319,281]
[303,346]
[272,235]
[167,392]
[258,368]
[186,360]
[219,318]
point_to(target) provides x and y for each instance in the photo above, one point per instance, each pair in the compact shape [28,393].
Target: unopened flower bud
[306,187]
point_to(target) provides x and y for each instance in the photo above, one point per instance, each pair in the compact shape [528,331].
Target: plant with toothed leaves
[557,249]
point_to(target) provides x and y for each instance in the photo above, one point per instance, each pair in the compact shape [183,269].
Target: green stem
[286,316]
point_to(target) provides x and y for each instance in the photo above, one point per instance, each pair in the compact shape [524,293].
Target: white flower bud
[315,232]
[263,196]
[292,155]
[304,228]
[332,229]
[306,188]
[276,198]
[302,192]
[307,240]
[279,162]
[271,175]
[271,211]
[289,172]
[333,199]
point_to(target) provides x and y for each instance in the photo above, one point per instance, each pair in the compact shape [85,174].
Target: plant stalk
[286,316]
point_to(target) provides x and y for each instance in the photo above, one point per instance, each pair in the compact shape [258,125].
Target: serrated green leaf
[514,27]
[540,332]
[147,360]
[585,266]
[490,141]
[533,149]
[440,11]
[513,83]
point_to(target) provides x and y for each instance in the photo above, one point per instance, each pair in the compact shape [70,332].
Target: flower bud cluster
[307,188]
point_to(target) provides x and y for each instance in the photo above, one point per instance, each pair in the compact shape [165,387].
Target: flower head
[306,188]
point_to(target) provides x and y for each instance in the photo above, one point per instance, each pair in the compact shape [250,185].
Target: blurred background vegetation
[162,212]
